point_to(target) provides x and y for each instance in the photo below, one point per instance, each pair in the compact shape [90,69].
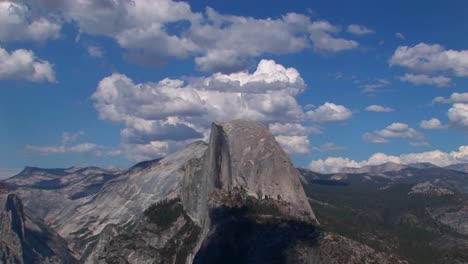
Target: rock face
[26,240]
[236,200]
[244,155]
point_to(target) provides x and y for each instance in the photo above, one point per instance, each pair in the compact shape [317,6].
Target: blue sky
[84,83]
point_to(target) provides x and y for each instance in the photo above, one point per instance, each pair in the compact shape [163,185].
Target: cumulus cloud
[359,30]
[322,35]
[423,79]
[22,64]
[431,58]
[458,115]
[454,98]
[374,138]
[294,144]
[329,112]
[292,129]
[436,157]
[164,116]
[218,42]
[433,123]
[19,23]
[395,130]
[379,108]
[332,164]
[67,146]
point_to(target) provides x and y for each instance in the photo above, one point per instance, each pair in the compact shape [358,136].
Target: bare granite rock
[427,188]
[244,155]
[27,240]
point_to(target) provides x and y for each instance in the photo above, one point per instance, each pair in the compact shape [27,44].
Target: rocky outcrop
[243,156]
[427,188]
[27,240]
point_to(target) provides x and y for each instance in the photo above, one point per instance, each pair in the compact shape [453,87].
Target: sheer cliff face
[244,155]
[27,240]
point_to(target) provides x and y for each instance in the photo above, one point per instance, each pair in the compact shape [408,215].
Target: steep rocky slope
[24,239]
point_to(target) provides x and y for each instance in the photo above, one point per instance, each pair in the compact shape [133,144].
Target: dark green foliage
[165,212]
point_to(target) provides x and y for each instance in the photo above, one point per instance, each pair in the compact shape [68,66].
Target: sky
[339,83]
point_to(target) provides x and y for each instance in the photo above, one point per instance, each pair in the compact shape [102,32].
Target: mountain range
[237,199]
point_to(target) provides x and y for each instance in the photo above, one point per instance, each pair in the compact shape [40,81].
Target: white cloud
[294,144]
[379,108]
[395,130]
[322,35]
[433,123]
[67,146]
[95,51]
[329,112]
[374,138]
[431,58]
[332,164]
[293,129]
[228,43]
[400,35]
[436,157]
[19,23]
[454,98]
[458,115]
[23,64]
[330,146]
[218,42]
[376,86]
[423,79]
[359,30]
[161,117]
